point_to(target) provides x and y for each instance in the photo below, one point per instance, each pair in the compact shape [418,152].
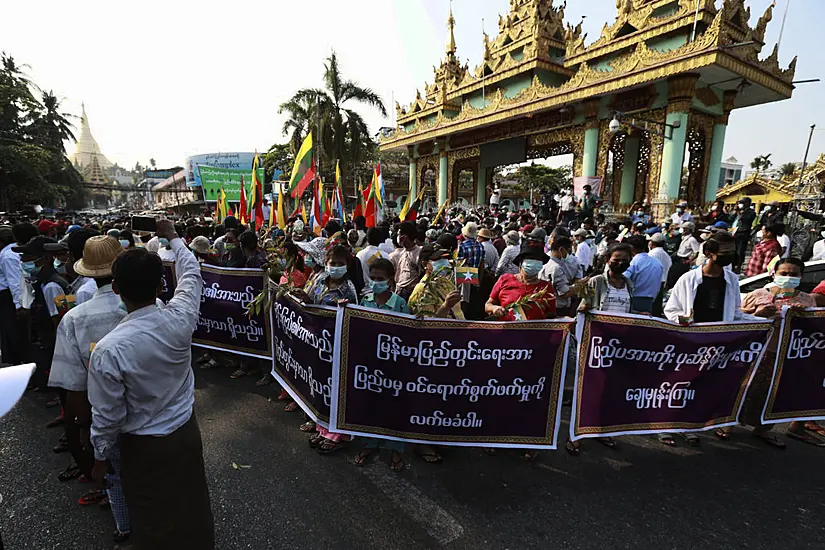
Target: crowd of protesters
[78,298]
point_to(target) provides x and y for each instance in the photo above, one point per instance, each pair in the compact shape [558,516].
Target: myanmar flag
[303,171]
[257,195]
[410,211]
[244,213]
[466,275]
[281,216]
[338,194]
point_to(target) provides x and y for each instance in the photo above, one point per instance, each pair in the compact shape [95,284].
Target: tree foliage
[762,163]
[788,169]
[33,163]
[542,179]
[344,135]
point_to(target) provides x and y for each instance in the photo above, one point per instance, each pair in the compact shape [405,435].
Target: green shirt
[395,303]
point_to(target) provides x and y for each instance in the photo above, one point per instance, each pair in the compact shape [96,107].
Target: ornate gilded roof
[649,40]
[814,179]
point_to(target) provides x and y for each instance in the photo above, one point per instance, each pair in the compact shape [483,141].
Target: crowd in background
[558,259]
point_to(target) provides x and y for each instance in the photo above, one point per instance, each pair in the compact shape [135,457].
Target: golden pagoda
[665,73]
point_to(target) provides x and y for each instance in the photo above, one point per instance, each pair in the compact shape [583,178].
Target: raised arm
[186,301]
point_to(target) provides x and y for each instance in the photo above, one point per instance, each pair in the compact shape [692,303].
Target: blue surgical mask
[163,241]
[531,267]
[123,307]
[308,261]
[784,281]
[30,268]
[379,287]
[59,267]
[124,243]
[337,271]
[440,264]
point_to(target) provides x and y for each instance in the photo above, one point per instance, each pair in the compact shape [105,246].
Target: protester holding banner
[611,291]
[764,251]
[436,294]
[405,260]
[380,296]
[559,273]
[523,296]
[767,303]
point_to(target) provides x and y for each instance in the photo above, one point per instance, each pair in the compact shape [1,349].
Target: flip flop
[572,449]
[362,457]
[92,497]
[397,464]
[722,434]
[666,439]
[806,438]
[307,427]
[430,457]
[291,407]
[71,472]
[814,428]
[608,442]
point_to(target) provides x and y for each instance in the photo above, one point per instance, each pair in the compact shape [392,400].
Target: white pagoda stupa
[86,149]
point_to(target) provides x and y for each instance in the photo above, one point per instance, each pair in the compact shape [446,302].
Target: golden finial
[451,33]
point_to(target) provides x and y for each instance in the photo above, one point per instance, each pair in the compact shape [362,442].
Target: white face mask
[714,208]
[768,208]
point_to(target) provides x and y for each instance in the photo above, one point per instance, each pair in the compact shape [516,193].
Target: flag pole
[782,28]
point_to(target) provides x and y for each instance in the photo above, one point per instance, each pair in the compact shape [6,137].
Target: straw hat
[470,230]
[99,254]
[485,233]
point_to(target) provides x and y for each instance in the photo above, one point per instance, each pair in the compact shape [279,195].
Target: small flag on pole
[466,275]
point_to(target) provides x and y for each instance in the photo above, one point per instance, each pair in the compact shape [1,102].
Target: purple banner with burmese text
[170,281]
[224,323]
[798,384]
[636,374]
[303,340]
[449,382]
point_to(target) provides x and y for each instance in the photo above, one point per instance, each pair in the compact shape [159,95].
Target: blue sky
[164,79]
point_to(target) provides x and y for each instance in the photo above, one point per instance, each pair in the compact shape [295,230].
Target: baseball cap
[44,226]
[656,238]
[721,225]
[653,231]
[13,382]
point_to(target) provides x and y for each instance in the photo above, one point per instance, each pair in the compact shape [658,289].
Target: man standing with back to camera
[141,388]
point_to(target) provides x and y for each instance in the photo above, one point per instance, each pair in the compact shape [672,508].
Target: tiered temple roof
[538,62]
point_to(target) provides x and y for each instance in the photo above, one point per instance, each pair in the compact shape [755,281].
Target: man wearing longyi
[141,388]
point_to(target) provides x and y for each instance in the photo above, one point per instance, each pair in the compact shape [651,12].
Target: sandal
[284,396]
[61,447]
[722,434]
[805,437]
[608,442]
[71,472]
[92,497]
[666,439]
[812,426]
[692,439]
[429,455]
[240,373]
[770,439]
[397,464]
[265,381]
[327,446]
[211,364]
[315,440]
[531,454]
[573,449]
[362,457]
[307,427]
[291,407]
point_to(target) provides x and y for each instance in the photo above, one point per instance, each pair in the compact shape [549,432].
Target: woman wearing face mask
[511,288]
[767,303]
[126,239]
[436,295]
[380,296]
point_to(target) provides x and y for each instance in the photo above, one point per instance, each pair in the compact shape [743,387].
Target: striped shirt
[82,327]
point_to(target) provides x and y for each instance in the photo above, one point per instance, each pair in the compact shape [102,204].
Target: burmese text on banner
[637,374]
[303,339]
[224,323]
[797,389]
[449,382]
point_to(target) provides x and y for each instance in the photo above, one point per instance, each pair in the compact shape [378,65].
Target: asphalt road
[734,494]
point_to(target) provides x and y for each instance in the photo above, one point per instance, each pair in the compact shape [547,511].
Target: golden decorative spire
[451,34]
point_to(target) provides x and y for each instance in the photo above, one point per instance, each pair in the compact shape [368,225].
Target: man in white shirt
[656,243]
[567,207]
[9,298]
[77,334]
[819,248]
[495,198]
[681,216]
[485,237]
[370,252]
[583,251]
[141,388]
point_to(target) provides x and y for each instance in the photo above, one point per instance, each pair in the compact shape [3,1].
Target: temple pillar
[680,96]
[591,150]
[443,184]
[413,191]
[629,169]
[718,146]
[481,186]
[590,153]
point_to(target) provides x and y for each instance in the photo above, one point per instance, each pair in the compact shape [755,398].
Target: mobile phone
[144,223]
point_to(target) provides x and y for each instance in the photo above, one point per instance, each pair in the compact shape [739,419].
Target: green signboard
[213,179]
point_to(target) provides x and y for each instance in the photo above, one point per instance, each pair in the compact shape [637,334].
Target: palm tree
[788,169]
[52,128]
[344,133]
[761,162]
